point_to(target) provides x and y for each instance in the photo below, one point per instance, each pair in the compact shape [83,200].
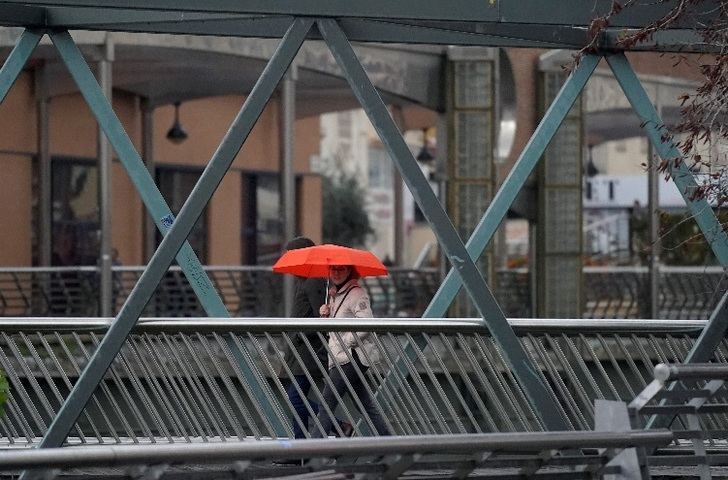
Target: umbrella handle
[326,301]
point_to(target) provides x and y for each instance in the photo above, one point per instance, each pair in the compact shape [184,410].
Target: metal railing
[623,292]
[247,291]
[178,380]
[252,291]
[521,455]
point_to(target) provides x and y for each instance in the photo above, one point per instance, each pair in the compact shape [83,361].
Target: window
[263,225]
[75,212]
[380,169]
[176,184]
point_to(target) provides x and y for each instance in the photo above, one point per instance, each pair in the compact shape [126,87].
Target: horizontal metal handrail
[666,372]
[281,324]
[110,456]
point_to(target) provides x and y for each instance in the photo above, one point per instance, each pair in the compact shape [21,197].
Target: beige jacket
[352,301]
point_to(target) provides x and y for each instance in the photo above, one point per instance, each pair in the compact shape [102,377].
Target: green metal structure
[504,23]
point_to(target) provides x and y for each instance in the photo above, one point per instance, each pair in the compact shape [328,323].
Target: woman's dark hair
[299,242]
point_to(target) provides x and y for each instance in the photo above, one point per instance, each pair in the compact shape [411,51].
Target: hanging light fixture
[176,134]
[590,169]
[424,156]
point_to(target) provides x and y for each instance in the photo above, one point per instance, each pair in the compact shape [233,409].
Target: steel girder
[506,23]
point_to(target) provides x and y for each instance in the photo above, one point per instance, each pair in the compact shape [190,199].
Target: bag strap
[344,298]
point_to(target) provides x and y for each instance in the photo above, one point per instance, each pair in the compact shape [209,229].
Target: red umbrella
[315,261]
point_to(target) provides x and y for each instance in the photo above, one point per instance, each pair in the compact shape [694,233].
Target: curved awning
[168,68]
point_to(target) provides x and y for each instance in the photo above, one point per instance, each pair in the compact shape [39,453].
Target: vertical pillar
[287,106]
[150,230]
[559,261]
[441,158]
[398,197]
[44,166]
[653,203]
[104,158]
[471,140]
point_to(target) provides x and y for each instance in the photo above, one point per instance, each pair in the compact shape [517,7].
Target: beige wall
[127,218]
[309,207]
[73,132]
[16,213]
[225,221]
[17,144]
[17,117]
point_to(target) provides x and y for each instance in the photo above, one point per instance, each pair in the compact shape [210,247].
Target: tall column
[104,159]
[441,158]
[653,202]
[559,262]
[398,197]
[471,140]
[44,167]
[288,179]
[150,230]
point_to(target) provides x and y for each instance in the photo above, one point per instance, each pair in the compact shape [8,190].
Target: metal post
[150,231]
[104,160]
[398,199]
[528,376]
[441,158]
[288,180]
[44,166]
[191,211]
[653,202]
[515,180]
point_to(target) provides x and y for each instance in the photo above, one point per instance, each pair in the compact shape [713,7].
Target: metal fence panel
[179,381]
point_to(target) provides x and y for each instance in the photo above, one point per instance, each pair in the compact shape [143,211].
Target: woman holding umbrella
[350,353]
[350,350]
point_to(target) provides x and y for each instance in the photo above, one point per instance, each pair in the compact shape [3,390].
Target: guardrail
[178,380]
[497,456]
[247,291]
[252,291]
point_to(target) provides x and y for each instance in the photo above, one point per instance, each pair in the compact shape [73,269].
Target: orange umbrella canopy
[315,261]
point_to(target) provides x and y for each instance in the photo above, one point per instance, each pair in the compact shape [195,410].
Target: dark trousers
[299,404]
[339,386]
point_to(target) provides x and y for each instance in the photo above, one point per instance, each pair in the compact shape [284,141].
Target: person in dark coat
[309,295]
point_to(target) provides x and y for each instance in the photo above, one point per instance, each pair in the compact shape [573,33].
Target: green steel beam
[17,59]
[138,173]
[712,335]
[527,374]
[157,207]
[715,235]
[359,30]
[382,9]
[22,15]
[517,177]
[563,12]
[173,241]
[507,30]
[666,149]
